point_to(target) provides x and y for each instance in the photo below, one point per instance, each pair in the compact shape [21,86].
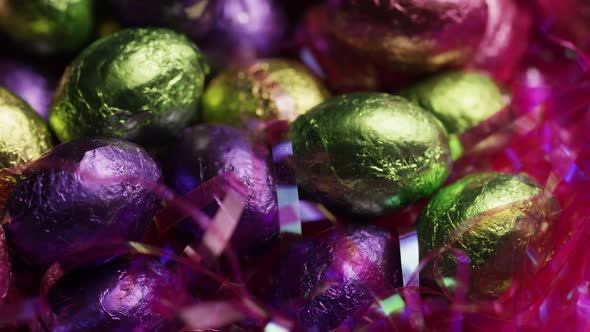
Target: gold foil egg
[266,90]
[491,217]
[24,136]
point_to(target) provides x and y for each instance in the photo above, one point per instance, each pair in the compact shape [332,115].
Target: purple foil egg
[229,31]
[324,282]
[122,295]
[28,83]
[78,194]
[205,151]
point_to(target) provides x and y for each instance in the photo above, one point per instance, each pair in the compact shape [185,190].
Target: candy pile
[277,166]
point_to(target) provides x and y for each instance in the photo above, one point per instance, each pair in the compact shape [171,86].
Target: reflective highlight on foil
[267,90]
[489,216]
[136,84]
[370,152]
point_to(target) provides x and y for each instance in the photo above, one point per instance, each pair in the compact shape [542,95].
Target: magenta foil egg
[80,194]
[28,83]
[123,295]
[205,151]
[229,31]
[506,39]
[410,35]
[323,282]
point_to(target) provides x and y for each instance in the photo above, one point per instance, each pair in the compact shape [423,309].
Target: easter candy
[139,84]
[48,27]
[489,216]
[80,193]
[24,136]
[25,81]
[267,90]
[205,151]
[231,32]
[122,295]
[323,282]
[459,99]
[370,152]
[414,35]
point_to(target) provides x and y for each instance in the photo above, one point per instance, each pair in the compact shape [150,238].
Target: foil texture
[48,27]
[412,35]
[24,136]
[231,32]
[491,217]
[461,100]
[205,151]
[138,84]
[269,89]
[122,295]
[323,282]
[78,195]
[370,153]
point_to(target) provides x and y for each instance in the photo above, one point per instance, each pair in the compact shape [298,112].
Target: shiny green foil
[269,89]
[459,99]
[489,216]
[136,84]
[24,136]
[47,26]
[370,152]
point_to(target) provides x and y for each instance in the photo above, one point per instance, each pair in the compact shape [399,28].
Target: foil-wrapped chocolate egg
[323,282]
[489,216]
[28,83]
[266,90]
[48,27]
[230,32]
[24,136]
[139,84]
[122,295]
[459,99]
[204,151]
[79,194]
[370,153]
[411,35]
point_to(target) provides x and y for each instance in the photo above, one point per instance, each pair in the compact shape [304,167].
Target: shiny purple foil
[79,194]
[324,282]
[205,151]
[27,83]
[122,295]
[229,31]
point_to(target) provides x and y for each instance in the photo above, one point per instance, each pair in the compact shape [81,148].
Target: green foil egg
[489,216]
[136,84]
[24,136]
[459,99]
[369,153]
[47,26]
[269,89]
